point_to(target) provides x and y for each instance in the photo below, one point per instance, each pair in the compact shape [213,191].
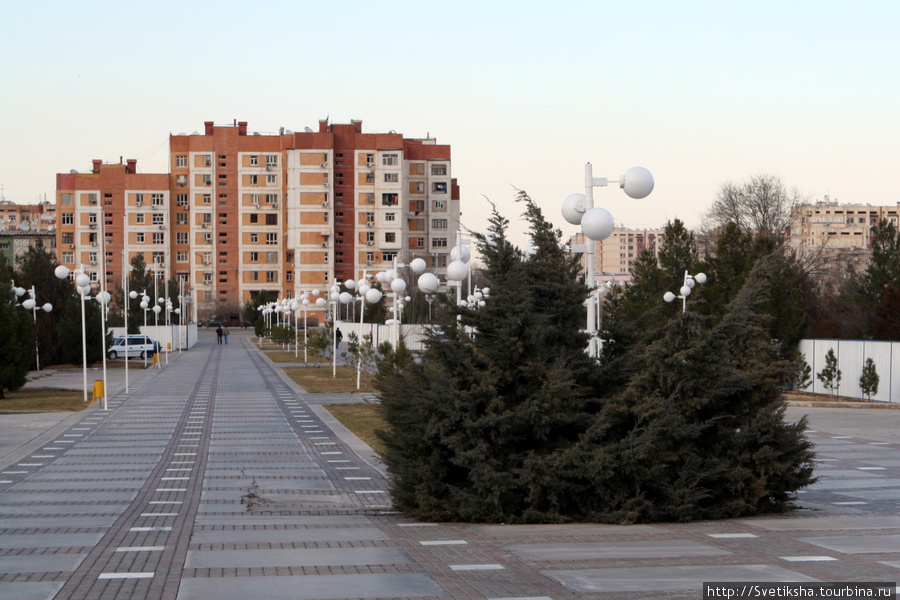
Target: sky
[525,93]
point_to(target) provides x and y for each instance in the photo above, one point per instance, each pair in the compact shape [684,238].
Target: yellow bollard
[156,361]
[99,392]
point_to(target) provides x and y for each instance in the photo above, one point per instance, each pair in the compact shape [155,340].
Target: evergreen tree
[700,432]
[35,268]
[677,252]
[884,265]
[887,315]
[869,379]
[474,422]
[16,336]
[830,376]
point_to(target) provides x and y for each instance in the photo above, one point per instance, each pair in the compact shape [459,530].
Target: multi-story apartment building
[27,217]
[241,213]
[838,232]
[614,257]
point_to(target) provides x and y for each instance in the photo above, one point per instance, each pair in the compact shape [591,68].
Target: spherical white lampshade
[457,270]
[428,283]
[373,296]
[334,296]
[321,302]
[84,290]
[383,277]
[460,253]
[144,305]
[362,289]
[82,280]
[685,290]
[700,277]
[28,304]
[61,272]
[573,208]
[418,266]
[350,284]
[295,305]
[690,282]
[157,309]
[398,285]
[668,296]
[47,307]
[315,292]
[133,295]
[597,224]
[637,182]
[346,298]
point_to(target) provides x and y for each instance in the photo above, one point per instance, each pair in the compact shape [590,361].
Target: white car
[140,346]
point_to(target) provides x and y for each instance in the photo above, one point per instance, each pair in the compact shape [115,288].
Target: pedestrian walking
[225,332]
[338,335]
[219,334]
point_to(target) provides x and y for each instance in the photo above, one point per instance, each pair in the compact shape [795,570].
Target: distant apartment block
[615,256]
[837,231]
[242,213]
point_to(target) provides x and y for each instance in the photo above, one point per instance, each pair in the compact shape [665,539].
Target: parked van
[140,346]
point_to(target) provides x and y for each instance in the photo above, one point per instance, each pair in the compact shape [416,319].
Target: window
[207,198]
[254,238]
[138,199]
[181,237]
[271,179]
[181,160]
[181,180]
[68,257]
[207,279]
[207,238]
[181,219]
[254,179]
[254,275]
[272,160]
[439,223]
[206,218]
[92,218]
[439,187]
[370,217]
[390,237]
[139,237]
[139,219]
[390,199]
[181,256]
[391,177]
[159,237]
[254,218]
[158,219]
[438,242]
[254,160]
[181,199]
[254,199]
[439,204]
[68,238]
[370,237]
[439,170]
[159,258]
[271,219]
[418,169]
[271,238]
[206,160]
[66,199]
[420,187]
[388,256]
[390,216]
[390,160]
[207,180]
[156,199]
[270,277]
[271,198]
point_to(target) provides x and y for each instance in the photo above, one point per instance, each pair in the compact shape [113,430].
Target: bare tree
[761,205]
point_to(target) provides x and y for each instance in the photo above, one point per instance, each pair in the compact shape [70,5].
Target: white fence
[175,337]
[851,358]
[412,335]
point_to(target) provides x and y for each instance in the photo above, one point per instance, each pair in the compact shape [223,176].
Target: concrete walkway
[217,478]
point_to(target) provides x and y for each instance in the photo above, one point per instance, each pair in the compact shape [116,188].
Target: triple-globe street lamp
[30,303]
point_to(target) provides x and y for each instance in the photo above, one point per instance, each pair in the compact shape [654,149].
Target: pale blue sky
[701,93]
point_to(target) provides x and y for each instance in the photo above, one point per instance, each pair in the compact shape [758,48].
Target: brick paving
[218,478]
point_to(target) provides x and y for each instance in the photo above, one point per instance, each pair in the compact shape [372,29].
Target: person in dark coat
[219,334]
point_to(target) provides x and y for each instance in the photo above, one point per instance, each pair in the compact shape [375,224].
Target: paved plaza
[217,478]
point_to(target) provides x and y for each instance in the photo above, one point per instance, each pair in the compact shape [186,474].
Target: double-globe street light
[30,303]
[597,224]
[83,287]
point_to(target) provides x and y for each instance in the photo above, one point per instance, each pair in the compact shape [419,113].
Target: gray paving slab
[889,494]
[858,544]
[311,587]
[60,497]
[78,487]
[30,590]
[12,541]
[79,521]
[70,508]
[660,579]
[321,557]
[265,485]
[823,523]
[600,550]
[578,529]
[290,536]
[844,484]
[40,563]
[207,520]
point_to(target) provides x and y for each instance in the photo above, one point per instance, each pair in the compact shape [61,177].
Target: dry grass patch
[279,356]
[319,380]
[44,400]
[364,420]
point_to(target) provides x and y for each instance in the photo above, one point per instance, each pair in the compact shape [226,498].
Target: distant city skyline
[525,93]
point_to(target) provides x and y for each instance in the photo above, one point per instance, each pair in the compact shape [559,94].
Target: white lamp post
[30,303]
[689,282]
[597,224]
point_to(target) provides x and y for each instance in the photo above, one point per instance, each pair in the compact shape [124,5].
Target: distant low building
[615,256]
